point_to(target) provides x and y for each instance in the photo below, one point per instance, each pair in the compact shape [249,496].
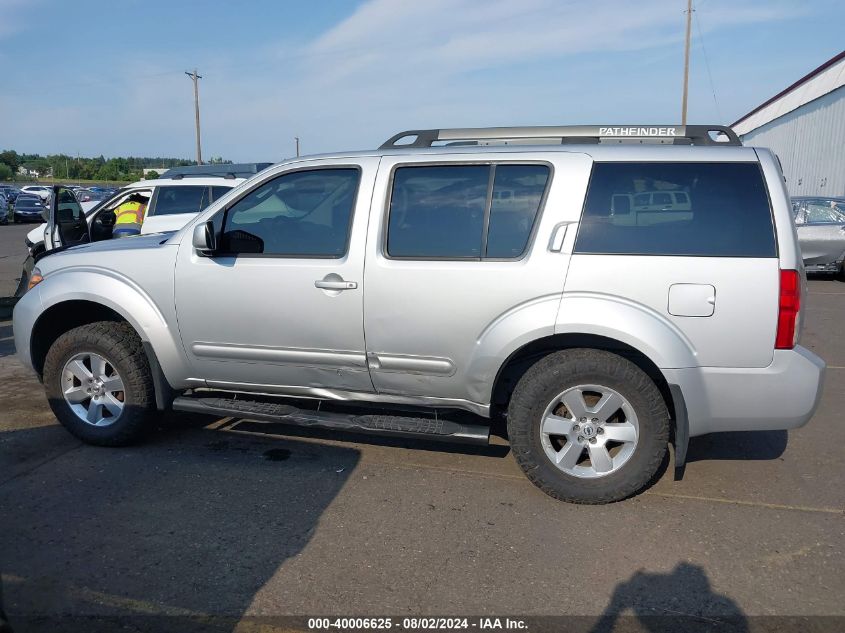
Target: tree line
[74,167]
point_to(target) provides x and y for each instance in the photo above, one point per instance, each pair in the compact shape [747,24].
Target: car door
[66,220]
[821,232]
[457,271]
[278,305]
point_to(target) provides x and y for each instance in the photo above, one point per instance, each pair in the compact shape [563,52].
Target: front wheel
[99,384]
[588,426]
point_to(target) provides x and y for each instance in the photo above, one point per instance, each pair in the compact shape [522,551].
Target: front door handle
[336,285]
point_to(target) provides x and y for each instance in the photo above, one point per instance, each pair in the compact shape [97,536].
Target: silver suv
[446,279]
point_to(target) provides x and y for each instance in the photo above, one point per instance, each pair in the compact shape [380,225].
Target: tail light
[789,307]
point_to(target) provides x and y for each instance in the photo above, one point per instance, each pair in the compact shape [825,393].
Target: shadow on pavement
[179,533]
[681,600]
[738,445]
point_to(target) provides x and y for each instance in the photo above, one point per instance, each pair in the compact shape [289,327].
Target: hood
[134,242]
[58,257]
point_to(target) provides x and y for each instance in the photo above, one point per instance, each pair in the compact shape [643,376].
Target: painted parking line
[406,465]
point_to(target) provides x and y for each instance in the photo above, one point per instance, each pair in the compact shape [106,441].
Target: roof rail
[224,170]
[566,134]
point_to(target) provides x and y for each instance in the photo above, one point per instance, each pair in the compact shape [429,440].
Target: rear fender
[632,323]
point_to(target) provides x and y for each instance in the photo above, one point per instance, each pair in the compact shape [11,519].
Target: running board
[434,428]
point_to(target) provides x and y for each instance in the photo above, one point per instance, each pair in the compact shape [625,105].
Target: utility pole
[296,138]
[195,77]
[686,64]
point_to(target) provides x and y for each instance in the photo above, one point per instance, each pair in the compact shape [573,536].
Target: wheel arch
[63,316]
[515,366]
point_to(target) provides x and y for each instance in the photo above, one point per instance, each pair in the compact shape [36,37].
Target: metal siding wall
[810,143]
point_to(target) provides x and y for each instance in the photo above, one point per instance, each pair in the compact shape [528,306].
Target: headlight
[35,278]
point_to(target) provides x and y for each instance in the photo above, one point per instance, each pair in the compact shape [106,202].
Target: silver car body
[438,332]
[821,232]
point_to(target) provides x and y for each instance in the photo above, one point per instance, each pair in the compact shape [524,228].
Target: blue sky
[106,77]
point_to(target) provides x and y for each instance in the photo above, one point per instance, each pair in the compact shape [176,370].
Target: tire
[126,418]
[536,414]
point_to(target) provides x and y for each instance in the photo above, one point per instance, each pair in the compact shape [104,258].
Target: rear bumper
[783,395]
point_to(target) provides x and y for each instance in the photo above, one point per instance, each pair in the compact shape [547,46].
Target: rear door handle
[336,285]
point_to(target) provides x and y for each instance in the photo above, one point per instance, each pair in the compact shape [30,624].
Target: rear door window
[464,211]
[171,200]
[705,209]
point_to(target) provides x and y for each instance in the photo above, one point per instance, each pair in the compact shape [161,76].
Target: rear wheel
[588,426]
[99,384]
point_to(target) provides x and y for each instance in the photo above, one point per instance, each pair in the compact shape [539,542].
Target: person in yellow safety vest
[129,216]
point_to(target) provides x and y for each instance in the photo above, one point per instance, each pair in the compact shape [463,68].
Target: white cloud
[397,64]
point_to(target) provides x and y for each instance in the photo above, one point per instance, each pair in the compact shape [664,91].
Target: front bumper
[783,395]
[27,310]
[27,217]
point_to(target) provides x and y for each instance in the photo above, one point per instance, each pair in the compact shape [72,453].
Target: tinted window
[181,199]
[303,213]
[725,213]
[517,193]
[438,211]
[218,192]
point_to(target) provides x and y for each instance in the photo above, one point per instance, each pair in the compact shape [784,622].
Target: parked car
[40,190]
[5,206]
[28,208]
[172,203]
[403,278]
[821,233]
[89,195]
[10,192]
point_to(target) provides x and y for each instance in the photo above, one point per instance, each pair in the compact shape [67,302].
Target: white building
[805,126]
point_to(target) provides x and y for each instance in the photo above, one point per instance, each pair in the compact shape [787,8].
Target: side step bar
[434,428]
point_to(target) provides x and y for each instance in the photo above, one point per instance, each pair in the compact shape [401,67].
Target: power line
[707,65]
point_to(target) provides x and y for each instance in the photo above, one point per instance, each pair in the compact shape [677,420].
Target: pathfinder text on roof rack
[637,131]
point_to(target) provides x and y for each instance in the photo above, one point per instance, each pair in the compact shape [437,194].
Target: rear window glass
[694,209]
[181,199]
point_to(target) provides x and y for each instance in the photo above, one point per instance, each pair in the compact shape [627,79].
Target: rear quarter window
[697,209]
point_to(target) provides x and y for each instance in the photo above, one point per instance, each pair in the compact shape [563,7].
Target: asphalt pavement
[13,252]
[215,524]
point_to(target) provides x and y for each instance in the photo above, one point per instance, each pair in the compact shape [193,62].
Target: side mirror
[45,214]
[203,238]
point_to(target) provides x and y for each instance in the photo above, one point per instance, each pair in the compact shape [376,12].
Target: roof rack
[566,134]
[224,170]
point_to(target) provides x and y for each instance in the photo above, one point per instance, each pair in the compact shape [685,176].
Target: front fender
[151,319]
[630,322]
